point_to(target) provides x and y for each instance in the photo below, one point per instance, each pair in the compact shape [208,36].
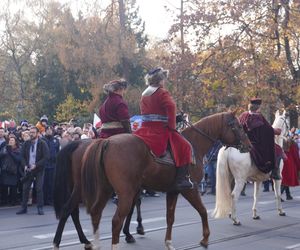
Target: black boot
[288,194]
[23,210]
[183,180]
[275,175]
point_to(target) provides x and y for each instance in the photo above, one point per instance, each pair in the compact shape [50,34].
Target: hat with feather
[115,85]
[156,75]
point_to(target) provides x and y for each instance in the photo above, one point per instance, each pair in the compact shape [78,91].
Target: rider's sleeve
[169,106]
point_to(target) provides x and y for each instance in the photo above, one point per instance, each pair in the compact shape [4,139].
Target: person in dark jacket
[261,135]
[53,145]
[2,148]
[10,171]
[35,154]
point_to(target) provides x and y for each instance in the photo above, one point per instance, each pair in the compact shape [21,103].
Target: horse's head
[282,121]
[233,133]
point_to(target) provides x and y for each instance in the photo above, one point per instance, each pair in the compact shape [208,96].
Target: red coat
[114,109]
[157,134]
[291,167]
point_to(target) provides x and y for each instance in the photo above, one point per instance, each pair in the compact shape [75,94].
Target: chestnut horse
[123,163]
[67,194]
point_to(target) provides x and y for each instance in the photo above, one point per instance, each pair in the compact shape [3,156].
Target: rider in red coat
[114,111]
[158,128]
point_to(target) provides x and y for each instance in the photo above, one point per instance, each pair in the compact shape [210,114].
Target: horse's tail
[63,183]
[223,185]
[93,176]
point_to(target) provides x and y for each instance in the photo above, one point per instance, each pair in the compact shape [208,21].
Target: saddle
[166,158]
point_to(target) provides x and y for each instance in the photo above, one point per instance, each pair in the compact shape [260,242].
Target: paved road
[34,232]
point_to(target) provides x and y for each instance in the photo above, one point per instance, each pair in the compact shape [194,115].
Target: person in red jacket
[113,112]
[158,110]
[291,168]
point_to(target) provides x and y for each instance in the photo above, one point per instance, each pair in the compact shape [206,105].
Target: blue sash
[154,118]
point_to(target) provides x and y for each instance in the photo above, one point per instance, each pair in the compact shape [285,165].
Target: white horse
[235,168]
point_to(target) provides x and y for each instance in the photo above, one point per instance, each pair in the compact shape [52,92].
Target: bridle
[287,127]
[240,136]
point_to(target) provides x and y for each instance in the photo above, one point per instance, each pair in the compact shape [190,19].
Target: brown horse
[124,163]
[67,194]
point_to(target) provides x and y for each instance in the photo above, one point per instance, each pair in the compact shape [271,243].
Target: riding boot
[183,180]
[275,175]
[288,194]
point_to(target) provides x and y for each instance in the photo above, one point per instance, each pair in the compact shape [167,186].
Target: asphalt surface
[35,232]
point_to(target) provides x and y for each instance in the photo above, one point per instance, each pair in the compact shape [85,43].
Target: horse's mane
[210,122]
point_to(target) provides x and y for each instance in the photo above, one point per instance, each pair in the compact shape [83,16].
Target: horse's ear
[277,113]
[284,112]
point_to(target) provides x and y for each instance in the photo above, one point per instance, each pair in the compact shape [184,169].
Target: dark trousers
[48,185]
[211,172]
[266,185]
[9,194]
[39,180]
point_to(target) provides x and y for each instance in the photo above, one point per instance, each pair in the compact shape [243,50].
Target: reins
[239,146]
[189,124]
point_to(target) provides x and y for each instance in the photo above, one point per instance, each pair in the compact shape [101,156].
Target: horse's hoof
[96,247]
[88,246]
[140,230]
[256,217]
[282,214]
[204,243]
[130,239]
[237,223]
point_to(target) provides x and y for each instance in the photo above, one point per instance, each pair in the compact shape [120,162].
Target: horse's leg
[139,228]
[195,200]
[123,209]
[96,214]
[255,199]
[171,205]
[81,235]
[59,231]
[235,194]
[68,210]
[277,191]
[128,237]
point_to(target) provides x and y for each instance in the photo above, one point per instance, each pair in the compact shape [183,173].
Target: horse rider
[158,111]
[113,112]
[261,134]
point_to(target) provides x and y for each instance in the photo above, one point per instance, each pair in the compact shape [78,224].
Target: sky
[157,19]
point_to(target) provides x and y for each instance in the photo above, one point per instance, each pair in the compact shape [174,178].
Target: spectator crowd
[28,159]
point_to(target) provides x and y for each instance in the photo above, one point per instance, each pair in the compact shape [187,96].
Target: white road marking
[151,220]
[71,232]
[293,246]
[266,202]
[51,235]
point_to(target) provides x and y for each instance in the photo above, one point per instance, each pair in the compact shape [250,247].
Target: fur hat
[44,118]
[155,75]
[115,85]
[256,100]
[24,123]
